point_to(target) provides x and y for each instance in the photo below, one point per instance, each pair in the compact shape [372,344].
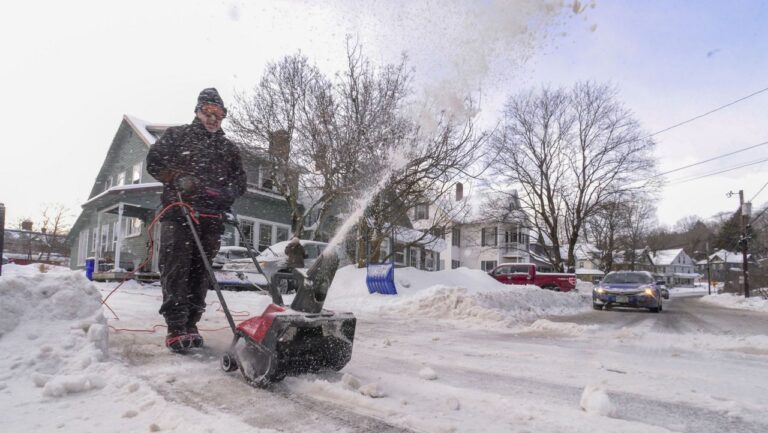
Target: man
[198,162]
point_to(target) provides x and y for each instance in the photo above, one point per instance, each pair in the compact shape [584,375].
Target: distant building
[675,267]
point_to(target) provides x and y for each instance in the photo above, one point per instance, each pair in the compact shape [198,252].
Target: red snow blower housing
[302,338]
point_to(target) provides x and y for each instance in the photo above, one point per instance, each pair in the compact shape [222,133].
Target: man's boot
[177,339]
[196,340]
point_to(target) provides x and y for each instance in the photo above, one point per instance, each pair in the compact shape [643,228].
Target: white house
[675,266]
[486,228]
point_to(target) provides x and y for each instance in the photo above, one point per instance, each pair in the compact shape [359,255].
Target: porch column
[98,240]
[119,235]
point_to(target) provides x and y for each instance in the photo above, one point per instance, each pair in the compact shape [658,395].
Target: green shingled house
[124,199]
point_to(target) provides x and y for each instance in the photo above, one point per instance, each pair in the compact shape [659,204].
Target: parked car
[227,254]
[526,273]
[274,259]
[635,289]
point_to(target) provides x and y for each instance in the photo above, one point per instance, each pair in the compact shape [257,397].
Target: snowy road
[693,368]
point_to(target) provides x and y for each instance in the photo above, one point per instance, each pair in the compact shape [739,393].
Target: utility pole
[709,273]
[746,212]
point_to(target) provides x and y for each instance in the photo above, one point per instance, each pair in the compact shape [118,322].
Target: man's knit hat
[210,96]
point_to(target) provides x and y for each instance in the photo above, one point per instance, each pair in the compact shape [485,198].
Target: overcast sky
[71,69]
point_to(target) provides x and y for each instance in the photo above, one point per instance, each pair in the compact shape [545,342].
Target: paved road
[675,371]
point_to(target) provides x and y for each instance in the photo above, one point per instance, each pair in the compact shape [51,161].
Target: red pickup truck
[525,273]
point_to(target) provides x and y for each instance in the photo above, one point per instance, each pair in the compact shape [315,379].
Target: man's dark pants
[184,278]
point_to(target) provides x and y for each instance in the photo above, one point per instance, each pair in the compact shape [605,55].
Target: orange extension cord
[149,257]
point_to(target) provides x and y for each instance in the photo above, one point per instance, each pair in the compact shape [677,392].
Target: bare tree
[54,224]
[570,151]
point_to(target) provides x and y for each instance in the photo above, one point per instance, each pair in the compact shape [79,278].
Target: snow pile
[729,300]
[55,372]
[595,400]
[561,328]
[458,294]
[427,373]
[59,311]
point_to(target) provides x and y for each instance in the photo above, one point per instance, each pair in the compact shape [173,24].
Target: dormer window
[121,178]
[136,177]
[108,183]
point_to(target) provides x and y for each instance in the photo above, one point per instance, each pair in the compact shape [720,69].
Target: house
[124,199]
[490,228]
[674,266]
[588,263]
[723,264]
[633,260]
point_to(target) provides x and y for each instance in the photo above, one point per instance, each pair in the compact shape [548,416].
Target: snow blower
[282,341]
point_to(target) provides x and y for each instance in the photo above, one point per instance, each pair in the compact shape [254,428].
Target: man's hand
[186,184]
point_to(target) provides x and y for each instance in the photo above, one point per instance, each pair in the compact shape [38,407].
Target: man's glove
[224,197]
[186,184]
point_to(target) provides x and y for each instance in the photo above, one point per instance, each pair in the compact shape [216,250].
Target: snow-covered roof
[585,251]
[666,257]
[406,236]
[148,132]
[686,275]
[725,256]
[119,188]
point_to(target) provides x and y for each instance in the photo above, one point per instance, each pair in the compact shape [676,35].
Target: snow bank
[729,300]
[59,312]
[458,294]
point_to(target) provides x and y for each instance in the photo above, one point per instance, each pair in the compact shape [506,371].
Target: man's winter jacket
[209,158]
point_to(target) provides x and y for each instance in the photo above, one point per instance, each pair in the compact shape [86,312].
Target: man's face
[211,116]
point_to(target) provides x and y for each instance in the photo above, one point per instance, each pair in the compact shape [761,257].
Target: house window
[247,229]
[82,247]
[455,264]
[421,212]
[105,238]
[121,178]
[429,261]
[400,256]
[282,234]
[252,178]
[415,257]
[488,265]
[132,227]
[383,249]
[136,178]
[265,180]
[488,237]
[114,236]
[456,237]
[265,236]
[95,242]
[108,183]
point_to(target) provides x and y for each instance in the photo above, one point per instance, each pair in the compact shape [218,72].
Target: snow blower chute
[282,341]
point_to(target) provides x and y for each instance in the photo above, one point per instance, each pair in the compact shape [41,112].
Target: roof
[726,256]
[666,257]
[148,132]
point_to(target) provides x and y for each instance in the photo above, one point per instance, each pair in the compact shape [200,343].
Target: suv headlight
[649,292]
[599,290]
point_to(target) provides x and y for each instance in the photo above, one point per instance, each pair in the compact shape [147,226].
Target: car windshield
[627,278]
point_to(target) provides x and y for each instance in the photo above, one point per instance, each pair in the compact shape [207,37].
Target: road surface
[692,368]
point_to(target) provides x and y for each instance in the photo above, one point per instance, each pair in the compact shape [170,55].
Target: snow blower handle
[207,264]
[277,298]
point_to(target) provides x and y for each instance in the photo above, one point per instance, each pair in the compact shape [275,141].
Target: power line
[719,172]
[710,159]
[758,193]
[708,112]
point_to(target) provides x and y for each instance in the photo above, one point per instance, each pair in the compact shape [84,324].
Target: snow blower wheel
[228,362]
